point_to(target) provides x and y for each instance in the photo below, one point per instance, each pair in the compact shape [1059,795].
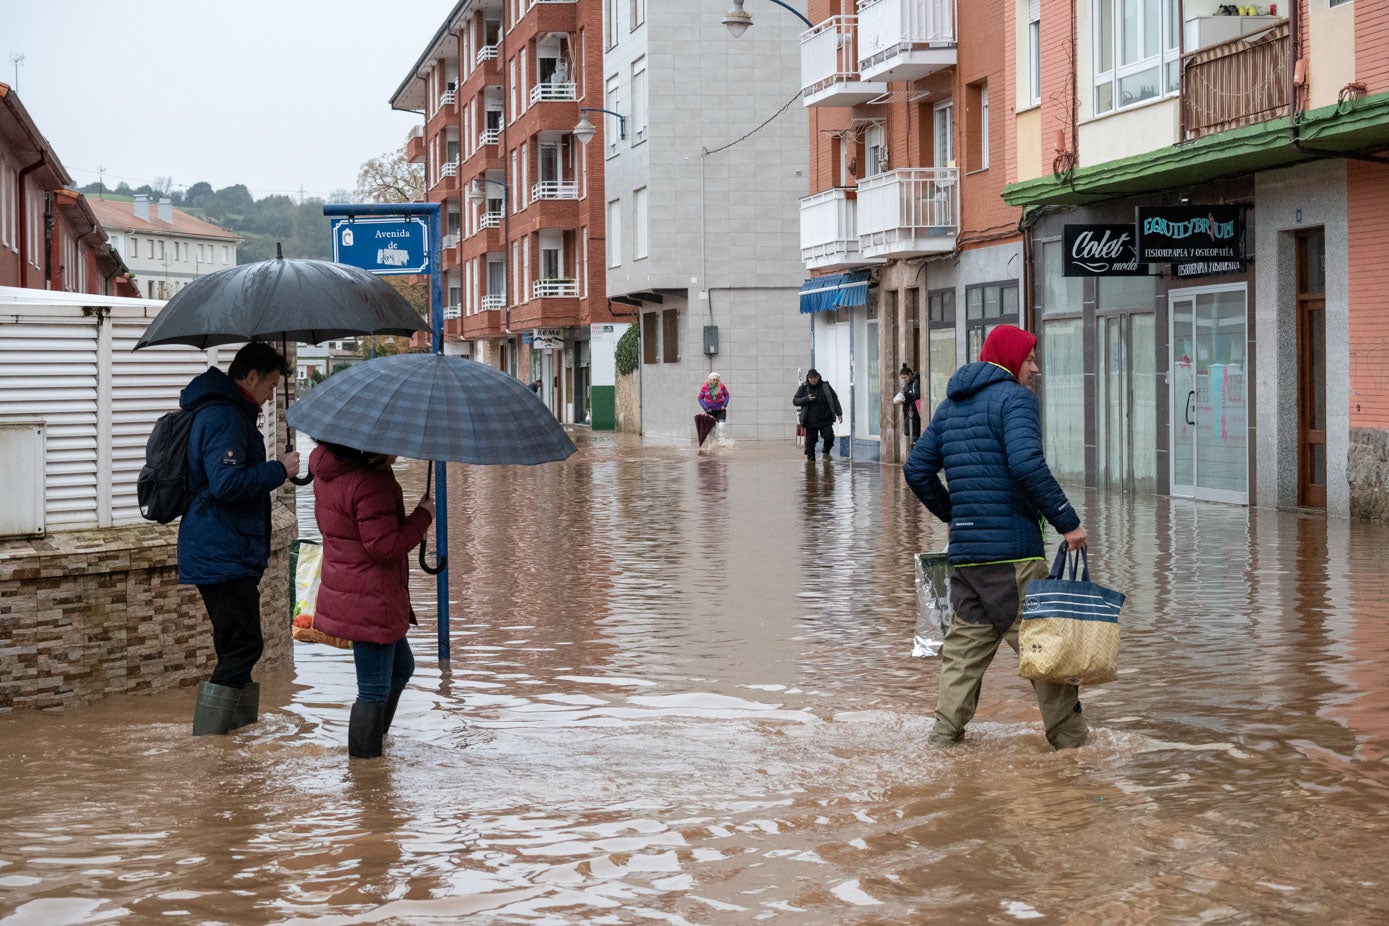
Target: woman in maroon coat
[364,595]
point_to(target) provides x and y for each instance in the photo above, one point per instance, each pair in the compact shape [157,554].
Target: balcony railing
[487,53]
[490,220]
[829,65]
[549,289]
[451,241]
[555,189]
[829,230]
[452,311]
[551,93]
[1236,83]
[449,169]
[906,212]
[905,39]
[446,98]
[490,303]
[414,133]
[490,137]
[531,3]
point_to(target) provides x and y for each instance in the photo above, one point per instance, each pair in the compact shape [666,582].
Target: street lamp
[738,19]
[477,195]
[585,130]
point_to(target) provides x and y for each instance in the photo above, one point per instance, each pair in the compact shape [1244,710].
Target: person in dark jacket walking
[364,592]
[224,538]
[819,411]
[911,401]
[987,438]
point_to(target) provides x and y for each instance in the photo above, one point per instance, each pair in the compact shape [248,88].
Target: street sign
[1182,234]
[385,246]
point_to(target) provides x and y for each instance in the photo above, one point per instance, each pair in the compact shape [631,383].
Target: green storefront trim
[1362,126]
[603,407]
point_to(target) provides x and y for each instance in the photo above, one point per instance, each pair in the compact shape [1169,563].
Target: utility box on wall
[21,460]
[711,340]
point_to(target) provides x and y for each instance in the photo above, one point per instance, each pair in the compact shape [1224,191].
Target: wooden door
[1311,369]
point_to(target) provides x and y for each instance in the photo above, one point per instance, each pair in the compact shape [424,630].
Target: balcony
[1236,83]
[449,169]
[554,93]
[414,145]
[490,219]
[905,39]
[829,235]
[829,65]
[491,302]
[489,137]
[554,289]
[487,53]
[451,241]
[452,311]
[905,213]
[482,324]
[555,189]
[447,97]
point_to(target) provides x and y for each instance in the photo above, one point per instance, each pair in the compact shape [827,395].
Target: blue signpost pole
[431,214]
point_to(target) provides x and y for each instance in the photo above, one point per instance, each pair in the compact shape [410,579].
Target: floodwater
[681,692]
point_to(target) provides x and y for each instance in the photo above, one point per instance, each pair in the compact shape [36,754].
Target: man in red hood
[986,437]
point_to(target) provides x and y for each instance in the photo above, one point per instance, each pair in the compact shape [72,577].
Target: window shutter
[1034,11]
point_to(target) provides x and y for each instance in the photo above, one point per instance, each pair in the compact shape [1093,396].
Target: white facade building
[166,248]
[703,227]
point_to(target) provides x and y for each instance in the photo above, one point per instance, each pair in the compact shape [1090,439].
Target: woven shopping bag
[308,572]
[1070,626]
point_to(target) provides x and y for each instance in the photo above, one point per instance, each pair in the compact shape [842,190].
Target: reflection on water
[681,692]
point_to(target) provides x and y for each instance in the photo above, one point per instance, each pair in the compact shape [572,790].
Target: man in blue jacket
[987,437]
[224,538]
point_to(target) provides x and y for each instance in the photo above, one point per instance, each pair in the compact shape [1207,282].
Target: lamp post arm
[787,6]
[621,119]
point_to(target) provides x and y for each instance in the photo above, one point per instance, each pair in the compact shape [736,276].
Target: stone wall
[1368,473]
[86,614]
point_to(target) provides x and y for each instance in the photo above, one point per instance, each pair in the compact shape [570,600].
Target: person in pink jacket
[364,594]
[713,397]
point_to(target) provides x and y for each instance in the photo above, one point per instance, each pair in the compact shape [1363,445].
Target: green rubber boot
[248,708]
[215,711]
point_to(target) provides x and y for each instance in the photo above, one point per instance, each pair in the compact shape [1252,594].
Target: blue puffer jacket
[226,533]
[987,437]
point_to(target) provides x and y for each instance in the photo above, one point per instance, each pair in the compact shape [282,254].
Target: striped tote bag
[1070,626]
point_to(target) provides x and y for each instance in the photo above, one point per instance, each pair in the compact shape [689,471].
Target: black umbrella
[282,300]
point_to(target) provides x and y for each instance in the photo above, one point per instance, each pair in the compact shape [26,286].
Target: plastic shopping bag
[1070,628]
[933,611]
[308,573]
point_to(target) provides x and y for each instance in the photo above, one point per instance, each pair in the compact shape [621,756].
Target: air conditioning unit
[22,447]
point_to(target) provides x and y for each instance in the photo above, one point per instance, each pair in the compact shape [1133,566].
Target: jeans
[234,608]
[383,669]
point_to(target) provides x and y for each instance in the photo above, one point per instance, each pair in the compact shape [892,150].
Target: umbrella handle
[424,544]
[302,480]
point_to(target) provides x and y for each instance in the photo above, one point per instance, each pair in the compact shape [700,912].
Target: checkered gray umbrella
[432,407]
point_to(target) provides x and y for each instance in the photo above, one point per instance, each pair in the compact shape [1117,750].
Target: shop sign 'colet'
[1101,251]
[1190,233]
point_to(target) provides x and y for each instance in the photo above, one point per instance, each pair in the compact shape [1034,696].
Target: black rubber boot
[215,711]
[391,704]
[248,708]
[365,729]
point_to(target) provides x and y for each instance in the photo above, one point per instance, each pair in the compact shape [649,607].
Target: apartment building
[1205,235]
[49,236]
[166,248]
[500,86]
[914,255]
[705,159]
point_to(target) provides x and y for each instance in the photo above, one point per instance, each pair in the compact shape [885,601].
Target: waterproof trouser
[234,608]
[988,610]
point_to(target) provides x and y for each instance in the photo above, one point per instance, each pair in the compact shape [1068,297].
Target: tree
[390,178]
[163,185]
[124,189]
[198,193]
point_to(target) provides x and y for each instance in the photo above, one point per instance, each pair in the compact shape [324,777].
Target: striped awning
[822,294]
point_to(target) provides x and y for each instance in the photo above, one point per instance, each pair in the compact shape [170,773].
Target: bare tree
[390,178]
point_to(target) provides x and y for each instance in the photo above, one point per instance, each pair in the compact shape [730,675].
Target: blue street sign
[395,245]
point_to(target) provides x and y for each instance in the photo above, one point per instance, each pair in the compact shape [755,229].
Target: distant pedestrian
[364,594]
[535,387]
[986,436]
[713,398]
[911,403]
[224,539]
[820,410]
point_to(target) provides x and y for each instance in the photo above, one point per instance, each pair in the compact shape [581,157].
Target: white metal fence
[886,27]
[919,202]
[829,53]
[828,225]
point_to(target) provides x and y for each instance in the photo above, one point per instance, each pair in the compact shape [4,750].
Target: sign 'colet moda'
[1100,251]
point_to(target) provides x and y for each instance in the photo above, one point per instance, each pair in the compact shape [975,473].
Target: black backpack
[162,487]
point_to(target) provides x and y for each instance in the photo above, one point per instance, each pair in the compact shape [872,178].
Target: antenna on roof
[100,187]
[16,58]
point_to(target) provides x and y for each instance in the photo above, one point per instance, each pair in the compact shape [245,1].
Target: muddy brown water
[681,692]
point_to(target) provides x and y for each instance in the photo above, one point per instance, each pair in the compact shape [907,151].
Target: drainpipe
[1294,126]
[23,209]
[48,240]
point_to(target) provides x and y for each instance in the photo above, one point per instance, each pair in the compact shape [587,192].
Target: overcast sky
[275,94]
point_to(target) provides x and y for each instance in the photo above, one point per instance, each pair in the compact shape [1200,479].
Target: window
[134,247]
[638,12]
[516,277]
[940,352]
[609,23]
[670,336]
[650,338]
[978,140]
[639,224]
[986,307]
[1136,52]
[526,268]
[4,204]
[610,102]
[639,100]
[876,143]
[1034,52]
[943,134]
[615,233]
[1339,2]
[511,71]
[226,254]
